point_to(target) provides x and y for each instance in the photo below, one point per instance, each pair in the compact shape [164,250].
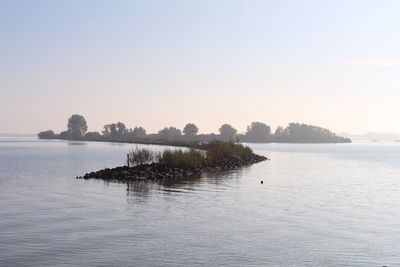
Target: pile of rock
[153,171]
[235,163]
[161,171]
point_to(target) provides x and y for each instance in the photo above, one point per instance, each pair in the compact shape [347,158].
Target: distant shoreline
[257,132]
[189,144]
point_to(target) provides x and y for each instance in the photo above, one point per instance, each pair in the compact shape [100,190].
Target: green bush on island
[192,158]
[206,155]
[140,156]
[217,150]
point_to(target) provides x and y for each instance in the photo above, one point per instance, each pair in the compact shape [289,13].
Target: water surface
[320,205]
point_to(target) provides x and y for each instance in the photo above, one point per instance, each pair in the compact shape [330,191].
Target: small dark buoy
[262,181]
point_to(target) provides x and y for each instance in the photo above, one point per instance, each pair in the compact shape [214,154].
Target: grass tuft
[138,156]
[191,158]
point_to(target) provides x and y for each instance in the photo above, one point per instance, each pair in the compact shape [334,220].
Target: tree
[258,132]
[121,129]
[227,132]
[106,130]
[64,135]
[113,129]
[190,130]
[303,133]
[139,132]
[47,135]
[77,126]
[92,136]
[170,133]
[279,131]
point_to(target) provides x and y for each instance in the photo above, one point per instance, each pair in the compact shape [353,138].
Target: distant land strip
[257,132]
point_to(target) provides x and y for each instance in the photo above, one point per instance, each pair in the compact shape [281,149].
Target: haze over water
[320,205]
[156,63]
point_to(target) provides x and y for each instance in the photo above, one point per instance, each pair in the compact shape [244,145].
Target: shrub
[191,158]
[217,150]
[47,135]
[93,136]
[139,156]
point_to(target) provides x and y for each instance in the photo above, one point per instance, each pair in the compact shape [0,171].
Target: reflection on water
[76,143]
[319,205]
[139,190]
[179,185]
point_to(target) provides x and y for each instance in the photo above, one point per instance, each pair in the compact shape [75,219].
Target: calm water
[320,205]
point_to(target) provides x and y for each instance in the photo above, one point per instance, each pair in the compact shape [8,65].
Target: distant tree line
[257,132]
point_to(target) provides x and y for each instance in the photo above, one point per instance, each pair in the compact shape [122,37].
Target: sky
[149,63]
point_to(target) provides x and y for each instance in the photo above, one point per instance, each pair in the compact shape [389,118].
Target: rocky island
[143,164]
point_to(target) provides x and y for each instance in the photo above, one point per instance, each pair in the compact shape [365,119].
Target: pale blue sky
[166,63]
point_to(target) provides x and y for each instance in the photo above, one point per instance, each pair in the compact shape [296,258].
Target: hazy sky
[165,63]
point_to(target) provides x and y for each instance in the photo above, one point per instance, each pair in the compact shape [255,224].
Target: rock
[160,171]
